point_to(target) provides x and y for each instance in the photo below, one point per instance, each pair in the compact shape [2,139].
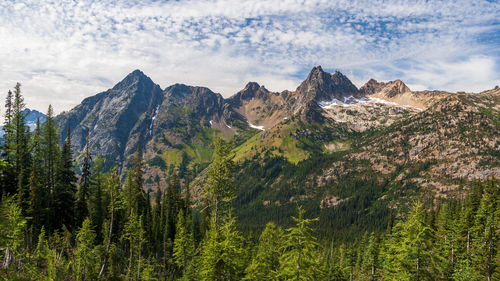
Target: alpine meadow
[341,177]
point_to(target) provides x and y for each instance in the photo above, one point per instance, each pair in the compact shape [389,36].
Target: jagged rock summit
[321,86]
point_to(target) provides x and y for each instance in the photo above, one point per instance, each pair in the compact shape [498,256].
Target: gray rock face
[113,118]
[321,86]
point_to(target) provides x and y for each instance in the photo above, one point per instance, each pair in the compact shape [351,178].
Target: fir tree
[408,254]
[65,189]
[184,243]
[220,188]
[300,259]
[38,192]
[96,199]
[222,257]
[265,263]
[12,228]
[134,235]
[85,256]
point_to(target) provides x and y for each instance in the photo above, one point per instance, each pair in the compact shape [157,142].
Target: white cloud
[63,51]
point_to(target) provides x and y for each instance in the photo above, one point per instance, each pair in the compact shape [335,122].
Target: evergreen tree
[172,210]
[408,251]
[38,192]
[114,206]
[184,243]
[220,188]
[8,176]
[371,262]
[158,223]
[65,189]
[222,257]
[134,235]
[50,148]
[300,259]
[265,263]
[12,227]
[485,234]
[96,199]
[85,256]
[134,197]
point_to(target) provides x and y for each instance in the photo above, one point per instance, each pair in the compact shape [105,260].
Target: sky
[62,51]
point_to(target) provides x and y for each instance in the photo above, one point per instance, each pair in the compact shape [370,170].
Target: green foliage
[222,256]
[184,243]
[265,263]
[301,258]
[12,228]
[408,251]
[85,254]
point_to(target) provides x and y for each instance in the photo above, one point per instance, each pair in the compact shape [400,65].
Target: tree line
[55,225]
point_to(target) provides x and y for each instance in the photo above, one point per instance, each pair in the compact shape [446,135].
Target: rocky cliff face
[116,119]
[175,127]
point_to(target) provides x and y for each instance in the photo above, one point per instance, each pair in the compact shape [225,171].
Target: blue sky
[63,51]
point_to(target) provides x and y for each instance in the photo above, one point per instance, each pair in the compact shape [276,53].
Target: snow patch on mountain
[153,120]
[256,127]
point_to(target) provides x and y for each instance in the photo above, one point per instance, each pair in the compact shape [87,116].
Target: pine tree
[50,148]
[85,256]
[371,262]
[65,189]
[114,206]
[408,251]
[265,263]
[38,192]
[158,224]
[172,209]
[96,199]
[134,235]
[12,228]
[133,194]
[220,188]
[485,236]
[51,155]
[8,176]
[300,259]
[222,256]
[183,243]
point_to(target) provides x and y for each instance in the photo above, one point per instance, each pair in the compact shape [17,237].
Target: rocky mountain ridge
[175,126]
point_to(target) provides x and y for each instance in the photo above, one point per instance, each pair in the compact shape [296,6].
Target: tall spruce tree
[184,243]
[38,192]
[65,188]
[408,251]
[134,196]
[300,259]
[8,177]
[97,208]
[265,263]
[220,185]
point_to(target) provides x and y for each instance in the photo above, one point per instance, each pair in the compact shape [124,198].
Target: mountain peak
[389,89]
[325,86]
[254,86]
[132,78]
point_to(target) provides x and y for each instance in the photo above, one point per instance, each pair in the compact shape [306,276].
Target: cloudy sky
[63,51]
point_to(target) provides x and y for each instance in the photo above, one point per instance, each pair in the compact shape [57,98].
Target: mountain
[337,150]
[31,116]
[117,120]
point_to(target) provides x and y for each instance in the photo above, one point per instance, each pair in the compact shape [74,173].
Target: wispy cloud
[65,50]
